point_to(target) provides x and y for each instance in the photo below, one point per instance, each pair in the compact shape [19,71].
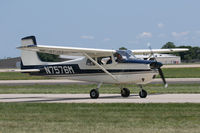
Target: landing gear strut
[125,92]
[142,93]
[94,93]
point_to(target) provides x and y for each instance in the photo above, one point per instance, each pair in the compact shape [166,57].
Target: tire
[143,94]
[94,93]
[125,92]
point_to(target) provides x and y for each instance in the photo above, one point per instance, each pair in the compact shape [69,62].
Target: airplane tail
[29,58]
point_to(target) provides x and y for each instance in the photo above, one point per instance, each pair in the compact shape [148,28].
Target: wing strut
[101,67]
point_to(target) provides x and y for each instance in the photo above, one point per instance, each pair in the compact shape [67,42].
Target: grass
[98,118]
[19,76]
[106,88]
[181,72]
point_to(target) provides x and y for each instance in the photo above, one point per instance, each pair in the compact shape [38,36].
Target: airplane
[120,67]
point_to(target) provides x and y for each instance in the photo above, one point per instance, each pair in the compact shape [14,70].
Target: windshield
[124,55]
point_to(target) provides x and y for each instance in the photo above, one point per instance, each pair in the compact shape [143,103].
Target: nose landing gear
[142,93]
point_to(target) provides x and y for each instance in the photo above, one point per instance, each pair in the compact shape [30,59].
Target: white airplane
[119,67]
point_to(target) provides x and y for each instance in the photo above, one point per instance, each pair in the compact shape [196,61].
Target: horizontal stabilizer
[27,70]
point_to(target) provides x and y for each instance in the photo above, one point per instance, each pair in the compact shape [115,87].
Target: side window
[100,61]
[104,60]
[89,62]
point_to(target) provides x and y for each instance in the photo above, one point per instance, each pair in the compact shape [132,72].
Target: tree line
[193,55]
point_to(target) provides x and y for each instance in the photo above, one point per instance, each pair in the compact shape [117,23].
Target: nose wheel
[142,93]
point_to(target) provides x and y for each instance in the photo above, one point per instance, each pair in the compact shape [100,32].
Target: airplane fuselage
[125,73]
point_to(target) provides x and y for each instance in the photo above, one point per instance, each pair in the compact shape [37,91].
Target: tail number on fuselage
[59,70]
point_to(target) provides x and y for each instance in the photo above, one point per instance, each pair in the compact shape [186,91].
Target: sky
[104,24]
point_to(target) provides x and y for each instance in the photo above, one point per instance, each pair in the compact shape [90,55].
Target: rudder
[29,57]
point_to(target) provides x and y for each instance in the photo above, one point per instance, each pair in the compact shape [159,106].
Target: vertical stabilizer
[29,57]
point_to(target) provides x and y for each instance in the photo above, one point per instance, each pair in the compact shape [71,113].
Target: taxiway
[104,98]
[66,81]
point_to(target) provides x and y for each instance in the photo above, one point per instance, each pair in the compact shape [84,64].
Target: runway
[104,98]
[66,81]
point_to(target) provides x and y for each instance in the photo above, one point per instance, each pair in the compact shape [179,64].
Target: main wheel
[143,94]
[125,92]
[94,93]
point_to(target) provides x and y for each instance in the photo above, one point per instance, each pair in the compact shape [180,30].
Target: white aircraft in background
[119,67]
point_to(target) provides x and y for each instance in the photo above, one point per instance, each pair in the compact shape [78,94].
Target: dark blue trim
[139,61]
[77,70]
[32,38]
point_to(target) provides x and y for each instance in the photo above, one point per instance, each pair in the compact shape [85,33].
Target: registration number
[59,70]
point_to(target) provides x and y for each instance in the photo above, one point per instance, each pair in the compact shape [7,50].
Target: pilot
[119,58]
[109,61]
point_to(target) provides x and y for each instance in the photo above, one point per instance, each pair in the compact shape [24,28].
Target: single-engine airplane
[119,67]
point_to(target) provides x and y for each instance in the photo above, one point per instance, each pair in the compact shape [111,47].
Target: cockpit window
[124,55]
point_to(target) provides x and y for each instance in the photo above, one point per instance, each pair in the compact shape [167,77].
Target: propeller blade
[162,76]
[157,65]
[152,54]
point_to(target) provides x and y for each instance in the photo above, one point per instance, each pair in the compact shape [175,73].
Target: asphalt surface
[66,81]
[104,98]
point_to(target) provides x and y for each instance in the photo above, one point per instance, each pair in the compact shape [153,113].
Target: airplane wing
[57,50]
[148,51]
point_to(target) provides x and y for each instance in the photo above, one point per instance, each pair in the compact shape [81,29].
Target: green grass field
[168,72]
[99,118]
[74,88]
[181,72]
[19,76]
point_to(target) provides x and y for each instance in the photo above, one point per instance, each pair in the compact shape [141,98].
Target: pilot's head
[119,57]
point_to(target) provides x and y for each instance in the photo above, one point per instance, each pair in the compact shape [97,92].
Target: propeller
[152,54]
[157,65]
[162,76]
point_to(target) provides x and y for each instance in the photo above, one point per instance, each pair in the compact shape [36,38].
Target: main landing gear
[94,93]
[125,92]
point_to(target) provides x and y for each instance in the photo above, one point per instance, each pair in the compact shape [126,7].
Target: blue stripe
[139,61]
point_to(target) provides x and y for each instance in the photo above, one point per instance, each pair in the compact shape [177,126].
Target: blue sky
[107,24]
